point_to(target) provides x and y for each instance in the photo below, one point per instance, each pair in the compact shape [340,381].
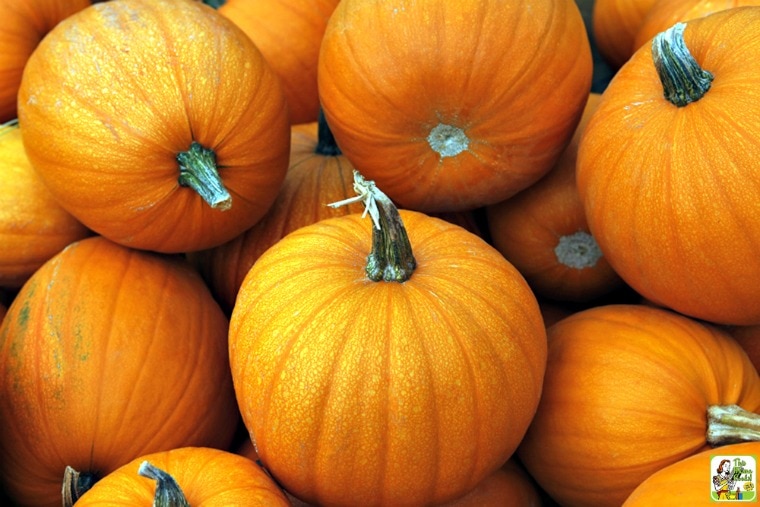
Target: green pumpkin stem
[730,424]
[326,144]
[198,170]
[168,492]
[683,80]
[75,484]
[391,258]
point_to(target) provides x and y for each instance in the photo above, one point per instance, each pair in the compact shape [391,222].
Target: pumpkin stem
[578,251]
[683,80]
[168,492]
[75,485]
[198,170]
[326,144]
[391,258]
[730,424]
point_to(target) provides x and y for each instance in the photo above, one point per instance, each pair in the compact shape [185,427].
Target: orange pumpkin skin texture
[22,27]
[749,338]
[108,353]
[207,476]
[109,153]
[615,24]
[665,188]
[33,227]
[543,232]
[383,393]
[420,98]
[686,482]
[288,33]
[626,393]
[509,486]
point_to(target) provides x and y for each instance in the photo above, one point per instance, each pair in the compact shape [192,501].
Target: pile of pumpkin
[375,253]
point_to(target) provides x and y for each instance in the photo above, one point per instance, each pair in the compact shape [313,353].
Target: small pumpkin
[678,124]
[108,353]
[509,486]
[630,389]
[448,114]
[22,26]
[390,378]
[687,482]
[288,33]
[176,140]
[186,476]
[33,227]
[614,25]
[543,232]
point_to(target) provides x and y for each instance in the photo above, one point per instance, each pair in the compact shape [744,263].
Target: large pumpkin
[614,25]
[398,378]
[108,353]
[157,123]
[453,104]
[628,390]
[666,172]
[33,227]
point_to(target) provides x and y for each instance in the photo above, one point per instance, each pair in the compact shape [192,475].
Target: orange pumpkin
[666,178]
[196,475]
[666,13]
[22,27]
[749,338]
[390,378]
[33,227]
[614,25]
[543,232]
[509,486]
[628,390]
[176,140]
[108,353]
[288,33]
[420,98]
[687,482]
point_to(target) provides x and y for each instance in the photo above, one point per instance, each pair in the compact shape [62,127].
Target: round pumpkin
[614,25]
[196,475]
[509,486]
[445,113]
[108,353]
[22,26]
[288,33]
[688,481]
[378,375]
[33,227]
[628,390]
[176,139]
[749,338]
[665,172]
[543,232]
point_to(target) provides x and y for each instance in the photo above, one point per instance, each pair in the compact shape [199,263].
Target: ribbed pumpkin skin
[687,237]
[106,354]
[687,482]
[33,227]
[509,486]
[208,477]
[390,74]
[615,24]
[626,393]
[23,24]
[381,393]
[288,33]
[176,72]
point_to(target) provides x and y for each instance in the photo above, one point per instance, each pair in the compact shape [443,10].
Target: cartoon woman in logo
[724,480]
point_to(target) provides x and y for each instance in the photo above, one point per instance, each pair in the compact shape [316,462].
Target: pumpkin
[688,482]
[183,149]
[446,113]
[509,486]
[685,238]
[749,339]
[33,227]
[288,33]
[22,27]
[382,375]
[628,390]
[543,232]
[194,475]
[614,25]
[108,353]
[665,14]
